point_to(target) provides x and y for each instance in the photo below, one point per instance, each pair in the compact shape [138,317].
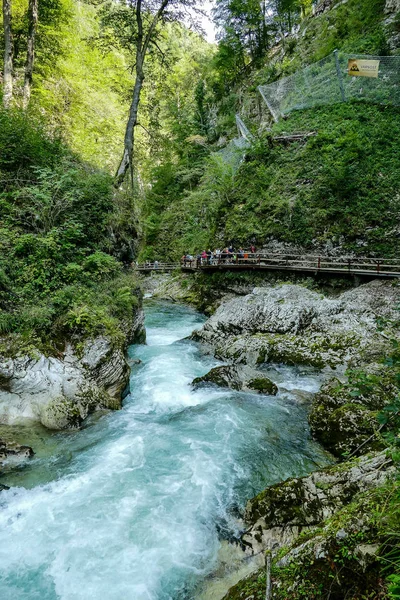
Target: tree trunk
[8,55]
[30,55]
[129,140]
[142,44]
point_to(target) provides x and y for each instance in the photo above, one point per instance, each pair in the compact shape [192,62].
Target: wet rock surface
[11,452]
[237,378]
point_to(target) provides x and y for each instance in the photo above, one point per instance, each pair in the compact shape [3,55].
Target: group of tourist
[216,257]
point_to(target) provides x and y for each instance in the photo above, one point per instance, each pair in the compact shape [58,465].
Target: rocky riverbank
[306,522]
[294,325]
[60,391]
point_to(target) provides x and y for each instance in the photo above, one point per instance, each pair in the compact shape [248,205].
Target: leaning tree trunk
[8,55]
[129,140]
[30,55]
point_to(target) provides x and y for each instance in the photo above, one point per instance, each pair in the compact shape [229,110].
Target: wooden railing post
[378,266]
[319,262]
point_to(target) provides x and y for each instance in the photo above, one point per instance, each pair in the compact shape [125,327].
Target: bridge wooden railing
[156,266]
[307,262]
[378,267]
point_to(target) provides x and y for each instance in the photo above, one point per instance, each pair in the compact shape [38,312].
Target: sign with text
[363,68]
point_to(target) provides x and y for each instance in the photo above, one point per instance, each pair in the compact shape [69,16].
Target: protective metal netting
[243,130]
[328,82]
[234,152]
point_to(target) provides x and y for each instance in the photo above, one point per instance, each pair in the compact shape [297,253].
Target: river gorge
[139,503]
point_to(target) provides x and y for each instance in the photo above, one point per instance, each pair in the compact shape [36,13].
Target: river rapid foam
[134,506]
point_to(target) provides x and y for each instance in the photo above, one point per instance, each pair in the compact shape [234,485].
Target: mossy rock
[346,429]
[237,378]
[225,376]
[61,413]
[252,587]
[262,385]
[343,414]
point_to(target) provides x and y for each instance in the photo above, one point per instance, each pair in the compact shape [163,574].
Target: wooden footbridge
[370,268]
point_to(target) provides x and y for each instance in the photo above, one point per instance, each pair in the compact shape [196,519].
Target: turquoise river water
[135,505]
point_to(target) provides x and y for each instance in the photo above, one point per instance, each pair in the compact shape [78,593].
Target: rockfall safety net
[337,78]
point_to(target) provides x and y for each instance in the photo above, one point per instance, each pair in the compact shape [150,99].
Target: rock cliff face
[61,392]
[294,325]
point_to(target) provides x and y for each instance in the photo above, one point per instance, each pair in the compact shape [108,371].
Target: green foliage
[339,186]
[55,265]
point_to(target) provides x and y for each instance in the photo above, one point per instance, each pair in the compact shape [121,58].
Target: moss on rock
[262,385]
[237,378]
[61,413]
[343,415]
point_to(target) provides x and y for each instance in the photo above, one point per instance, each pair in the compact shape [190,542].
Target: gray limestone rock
[61,392]
[283,510]
[294,325]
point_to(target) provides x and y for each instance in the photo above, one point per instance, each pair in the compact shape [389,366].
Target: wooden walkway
[311,264]
[157,267]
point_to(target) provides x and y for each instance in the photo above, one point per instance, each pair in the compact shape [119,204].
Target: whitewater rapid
[135,505]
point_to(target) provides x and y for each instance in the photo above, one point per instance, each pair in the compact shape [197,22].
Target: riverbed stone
[237,378]
[14,453]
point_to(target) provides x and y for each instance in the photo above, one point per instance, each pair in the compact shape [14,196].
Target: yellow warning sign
[363,68]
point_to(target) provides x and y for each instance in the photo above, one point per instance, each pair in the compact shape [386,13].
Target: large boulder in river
[294,325]
[237,378]
[60,392]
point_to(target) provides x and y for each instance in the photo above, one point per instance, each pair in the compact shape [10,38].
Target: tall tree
[8,54]
[30,53]
[243,34]
[148,16]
